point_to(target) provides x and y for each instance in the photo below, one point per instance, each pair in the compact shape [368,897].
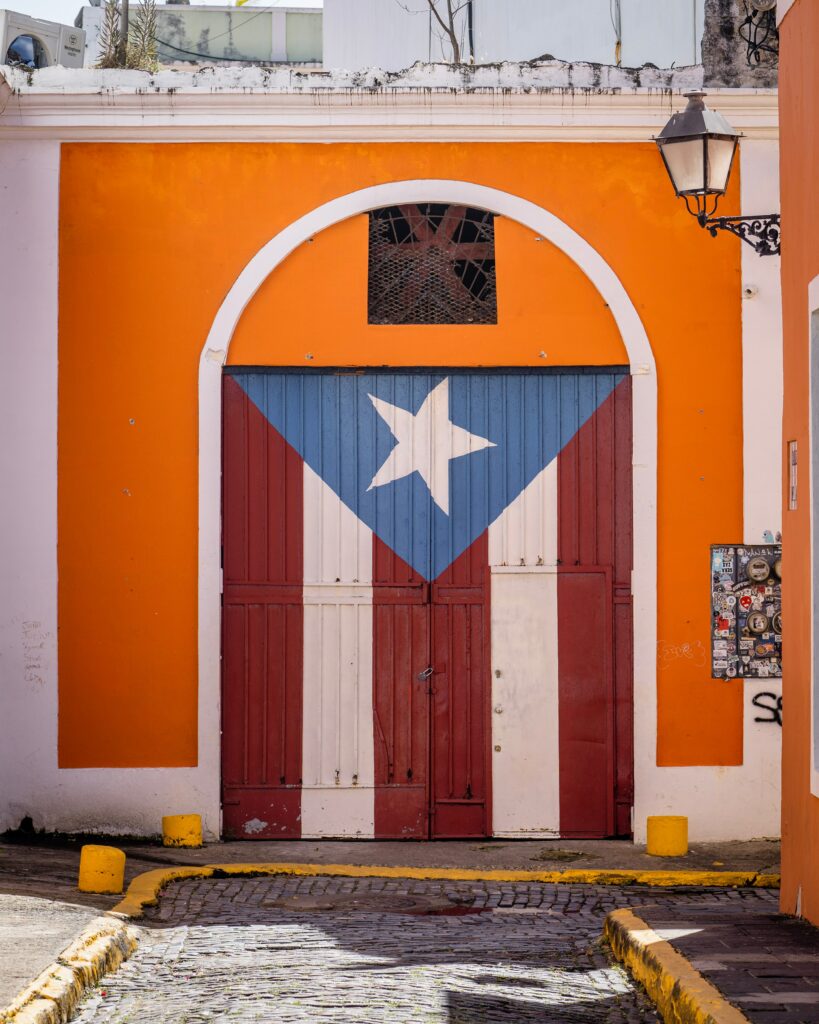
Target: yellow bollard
[182,830]
[667,835]
[102,869]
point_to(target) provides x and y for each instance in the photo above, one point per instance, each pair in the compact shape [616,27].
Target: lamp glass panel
[720,155]
[685,162]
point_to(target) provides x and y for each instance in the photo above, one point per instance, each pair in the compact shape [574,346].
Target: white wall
[28,506]
[393,34]
[740,801]
[91,24]
[665,34]
[121,800]
[731,802]
[377,33]
[762,382]
[525,29]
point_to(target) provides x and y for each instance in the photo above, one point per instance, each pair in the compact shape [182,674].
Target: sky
[66,10]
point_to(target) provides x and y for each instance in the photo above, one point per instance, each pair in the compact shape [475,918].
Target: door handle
[427,672]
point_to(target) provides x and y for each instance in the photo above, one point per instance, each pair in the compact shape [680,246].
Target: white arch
[434,191]
[644,394]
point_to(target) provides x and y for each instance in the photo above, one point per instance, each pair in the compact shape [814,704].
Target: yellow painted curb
[678,990]
[53,996]
[763,881]
[144,890]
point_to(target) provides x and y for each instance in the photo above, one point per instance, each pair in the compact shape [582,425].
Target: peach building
[799,32]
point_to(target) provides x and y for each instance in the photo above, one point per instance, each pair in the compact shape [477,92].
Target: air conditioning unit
[33,43]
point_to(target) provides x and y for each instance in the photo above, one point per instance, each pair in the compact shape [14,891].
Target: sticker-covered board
[746,611]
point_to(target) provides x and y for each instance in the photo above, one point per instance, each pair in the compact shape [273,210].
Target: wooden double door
[426,656]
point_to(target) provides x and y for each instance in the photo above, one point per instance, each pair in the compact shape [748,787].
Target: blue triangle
[331,422]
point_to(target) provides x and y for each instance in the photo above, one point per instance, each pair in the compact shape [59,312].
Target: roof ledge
[509,77]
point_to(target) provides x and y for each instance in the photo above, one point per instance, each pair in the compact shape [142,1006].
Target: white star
[427,441]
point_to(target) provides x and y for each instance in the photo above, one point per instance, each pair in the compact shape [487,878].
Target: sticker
[745,597]
[758,569]
[757,622]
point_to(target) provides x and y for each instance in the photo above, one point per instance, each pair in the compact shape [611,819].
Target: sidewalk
[33,932]
[47,866]
[766,964]
[41,909]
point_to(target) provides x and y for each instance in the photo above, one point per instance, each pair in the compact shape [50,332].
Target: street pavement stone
[373,950]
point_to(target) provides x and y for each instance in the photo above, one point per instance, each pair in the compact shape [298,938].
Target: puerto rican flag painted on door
[426,609]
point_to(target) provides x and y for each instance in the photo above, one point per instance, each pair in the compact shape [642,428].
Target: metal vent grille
[431,263]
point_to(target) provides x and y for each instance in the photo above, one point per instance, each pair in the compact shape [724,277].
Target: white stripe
[526,531]
[337,754]
[525,757]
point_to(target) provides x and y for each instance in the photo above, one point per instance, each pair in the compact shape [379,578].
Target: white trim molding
[808,495]
[762,372]
[136,110]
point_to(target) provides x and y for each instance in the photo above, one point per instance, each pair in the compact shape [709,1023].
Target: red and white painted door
[427,616]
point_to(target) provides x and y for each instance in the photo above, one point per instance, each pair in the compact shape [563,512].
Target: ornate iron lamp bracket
[760,232]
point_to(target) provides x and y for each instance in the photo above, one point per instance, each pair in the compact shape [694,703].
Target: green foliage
[109,36]
[139,54]
[141,50]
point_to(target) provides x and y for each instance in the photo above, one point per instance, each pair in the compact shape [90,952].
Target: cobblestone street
[375,950]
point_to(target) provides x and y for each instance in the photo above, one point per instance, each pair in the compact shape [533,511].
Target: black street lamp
[698,148]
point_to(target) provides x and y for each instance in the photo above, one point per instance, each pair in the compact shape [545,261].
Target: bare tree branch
[440,20]
[448,25]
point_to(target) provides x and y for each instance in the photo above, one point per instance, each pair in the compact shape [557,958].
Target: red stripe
[462,692]
[595,676]
[262,625]
[401,650]
[431,734]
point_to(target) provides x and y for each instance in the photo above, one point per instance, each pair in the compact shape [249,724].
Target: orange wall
[545,304]
[152,237]
[799,157]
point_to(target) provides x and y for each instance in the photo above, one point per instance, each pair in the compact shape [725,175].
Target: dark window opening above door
[431,263]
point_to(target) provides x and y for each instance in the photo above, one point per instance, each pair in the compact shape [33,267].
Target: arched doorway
[644,395]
